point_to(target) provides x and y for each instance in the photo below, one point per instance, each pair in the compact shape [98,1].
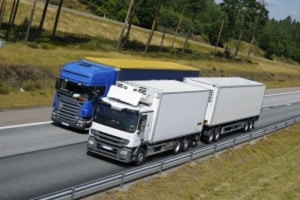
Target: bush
[32,85]
[4,90]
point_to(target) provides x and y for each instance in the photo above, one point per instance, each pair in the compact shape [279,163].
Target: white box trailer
[230,99]
[234,103]
[179,110]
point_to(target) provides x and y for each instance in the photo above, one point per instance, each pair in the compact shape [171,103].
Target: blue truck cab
[77,89]
[82,83]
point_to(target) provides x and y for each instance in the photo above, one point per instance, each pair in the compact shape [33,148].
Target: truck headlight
[91,141]
[124,152]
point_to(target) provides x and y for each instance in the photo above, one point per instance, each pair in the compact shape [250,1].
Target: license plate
[65,124]
[107,148]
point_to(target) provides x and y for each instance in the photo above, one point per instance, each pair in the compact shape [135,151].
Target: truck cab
[78,89]
[124,123]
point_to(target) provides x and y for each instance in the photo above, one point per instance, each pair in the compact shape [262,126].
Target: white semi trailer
[142,118]
[233,104]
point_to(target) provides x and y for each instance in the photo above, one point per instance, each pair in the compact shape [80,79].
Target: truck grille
[107,144]
[68,109]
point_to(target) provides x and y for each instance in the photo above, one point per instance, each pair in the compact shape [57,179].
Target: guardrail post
[215,149]
[73,193]
[234,142]
[122,180]
[265,134]
[191,157]
[161,167]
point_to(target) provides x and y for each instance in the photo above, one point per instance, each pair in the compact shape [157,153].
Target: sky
[280,9]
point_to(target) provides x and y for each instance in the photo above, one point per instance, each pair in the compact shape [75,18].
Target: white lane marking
[266,109]
[277,94]
[24,125]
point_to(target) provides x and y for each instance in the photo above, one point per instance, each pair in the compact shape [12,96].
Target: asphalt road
[43,158]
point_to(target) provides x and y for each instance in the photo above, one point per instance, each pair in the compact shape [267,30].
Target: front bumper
[124,155]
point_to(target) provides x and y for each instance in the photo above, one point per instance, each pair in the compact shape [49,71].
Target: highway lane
[21,140]
[33,174]
[277,99]
[33,137]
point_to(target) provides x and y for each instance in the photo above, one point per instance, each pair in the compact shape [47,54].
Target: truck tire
[251,125]
[217,134]
[185,143]
[246,127]
[140,156]
[208,137]
[177,147]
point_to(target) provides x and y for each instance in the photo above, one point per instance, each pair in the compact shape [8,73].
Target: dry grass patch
[266,170]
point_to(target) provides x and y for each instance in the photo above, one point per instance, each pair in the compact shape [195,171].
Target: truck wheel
[140,156]
[207,137]
[185,143]
[216,134]
[177,147]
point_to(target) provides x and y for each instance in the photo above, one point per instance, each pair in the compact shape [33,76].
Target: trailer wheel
[246,127]
[216,134]
[185,143]
[251,125]
[140,156]
[177,147]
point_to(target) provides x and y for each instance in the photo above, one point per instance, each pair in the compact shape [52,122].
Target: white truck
[138,119]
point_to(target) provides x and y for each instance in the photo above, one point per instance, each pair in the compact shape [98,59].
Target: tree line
[240,20]
[217,24]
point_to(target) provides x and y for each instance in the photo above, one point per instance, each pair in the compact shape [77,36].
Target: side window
[143,121]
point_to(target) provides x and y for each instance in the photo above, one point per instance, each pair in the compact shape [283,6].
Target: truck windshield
[81,92]
[125,119]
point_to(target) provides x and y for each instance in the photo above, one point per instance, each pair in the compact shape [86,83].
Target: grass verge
[266,170]
[89,37]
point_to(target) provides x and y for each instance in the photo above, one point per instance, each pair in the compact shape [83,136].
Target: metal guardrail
[158,167]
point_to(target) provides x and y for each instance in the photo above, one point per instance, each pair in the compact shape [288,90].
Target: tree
[2,9]
[159,2]
[184,4]
[132,2]
[194,6]
[56,19]
[259,23]
[12,17]
[30,21]
[39,31]
[242,15]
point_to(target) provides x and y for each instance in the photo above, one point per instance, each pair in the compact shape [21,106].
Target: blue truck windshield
[125,119]
[81,92]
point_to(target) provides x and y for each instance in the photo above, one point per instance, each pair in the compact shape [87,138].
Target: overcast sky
[280,9]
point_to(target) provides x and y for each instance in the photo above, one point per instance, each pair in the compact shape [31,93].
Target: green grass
[86,37]
[266,170]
